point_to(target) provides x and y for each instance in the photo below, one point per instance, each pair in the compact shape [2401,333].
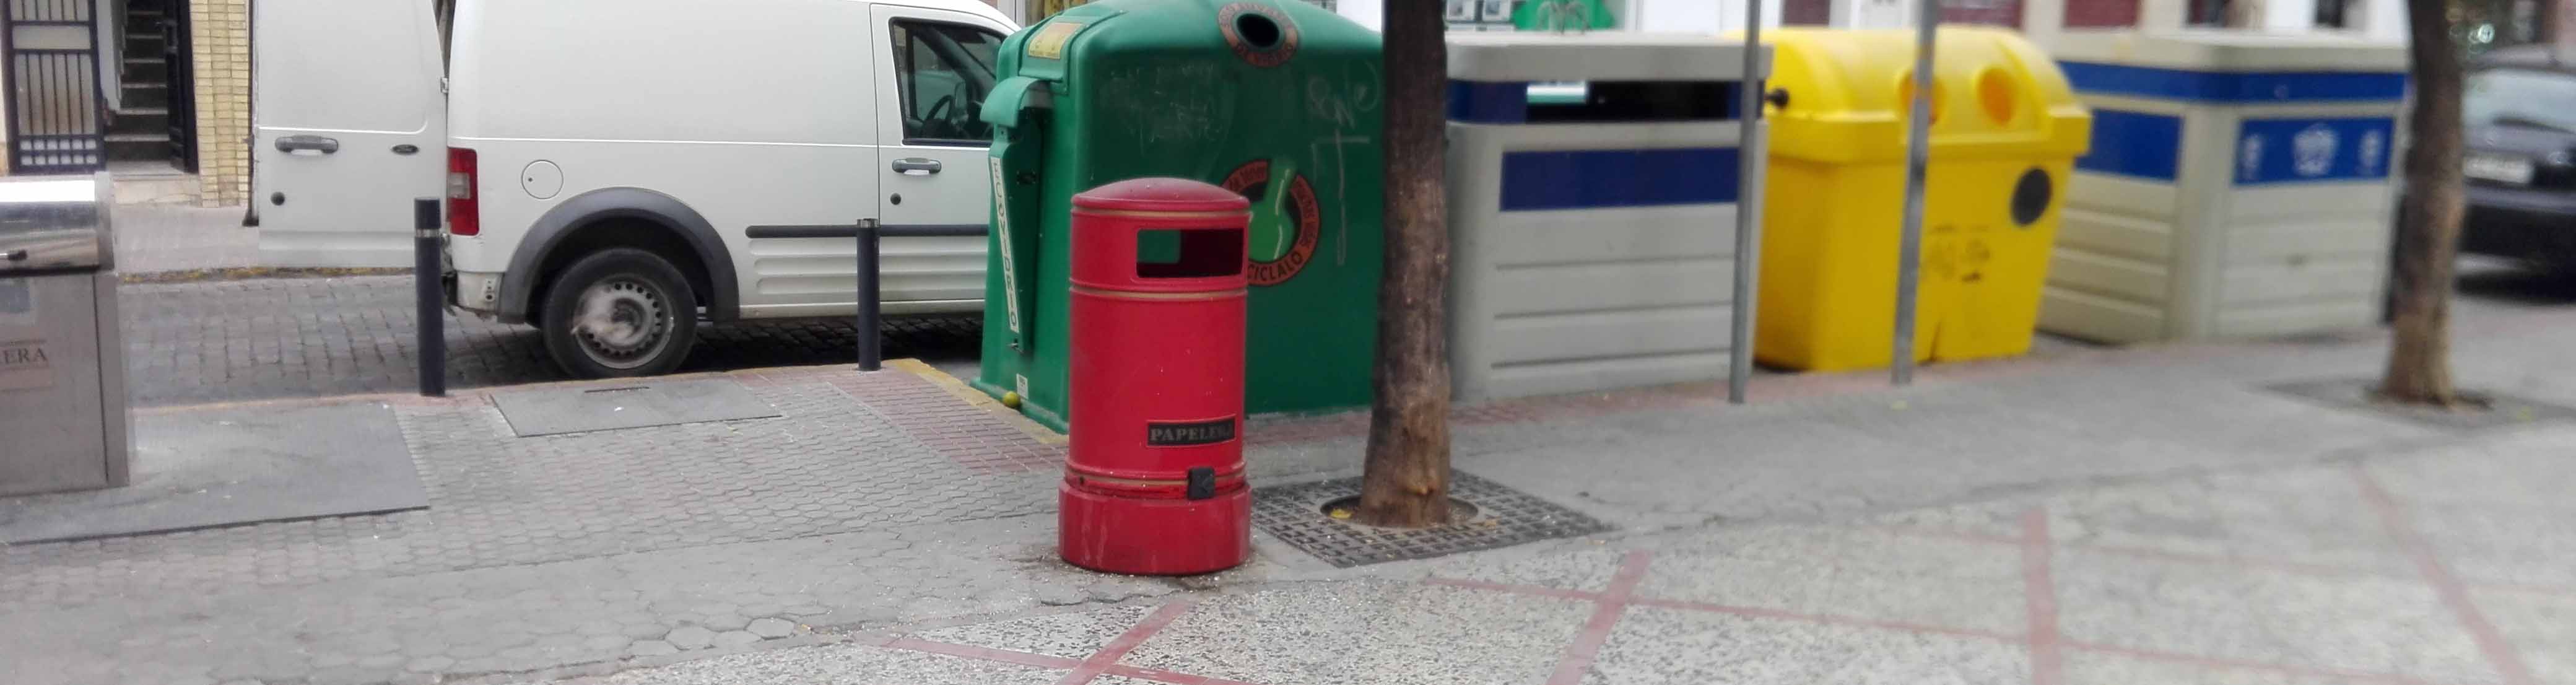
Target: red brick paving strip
[2039,590]
[1109,655]
[1605,616]
[2455,595]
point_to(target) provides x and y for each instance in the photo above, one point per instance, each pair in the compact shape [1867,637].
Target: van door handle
[317,143]
[924,165]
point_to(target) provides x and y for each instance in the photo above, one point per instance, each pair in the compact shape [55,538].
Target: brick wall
[221,32]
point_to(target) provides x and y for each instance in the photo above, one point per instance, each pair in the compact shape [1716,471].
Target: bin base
[1153,537]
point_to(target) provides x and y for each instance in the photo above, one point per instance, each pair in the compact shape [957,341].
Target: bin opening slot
[1632,101]
[1187,253]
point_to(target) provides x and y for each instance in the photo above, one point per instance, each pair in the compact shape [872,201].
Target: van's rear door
[349,125]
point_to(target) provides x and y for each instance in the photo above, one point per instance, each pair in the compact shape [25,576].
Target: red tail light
[464,213]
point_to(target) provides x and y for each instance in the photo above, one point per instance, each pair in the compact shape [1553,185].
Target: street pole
[1918,150]
[430,298]
[871,321]
[1750,158]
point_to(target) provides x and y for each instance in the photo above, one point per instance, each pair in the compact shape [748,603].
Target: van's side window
[942,72]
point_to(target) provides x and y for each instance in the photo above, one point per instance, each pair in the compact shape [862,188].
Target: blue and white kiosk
[2239,185]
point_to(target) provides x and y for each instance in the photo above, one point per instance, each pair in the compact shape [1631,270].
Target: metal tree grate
[1504,517]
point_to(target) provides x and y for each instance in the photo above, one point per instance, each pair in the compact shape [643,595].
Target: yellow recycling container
[2006,131]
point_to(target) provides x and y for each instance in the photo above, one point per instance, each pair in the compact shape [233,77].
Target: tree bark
[2428,227]
[1406,482]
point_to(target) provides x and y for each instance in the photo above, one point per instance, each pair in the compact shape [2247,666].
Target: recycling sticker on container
[2302,150]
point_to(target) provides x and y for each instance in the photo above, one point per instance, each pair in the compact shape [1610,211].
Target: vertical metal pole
[871,349]
[425,279]
[1918,150]
[1751,155]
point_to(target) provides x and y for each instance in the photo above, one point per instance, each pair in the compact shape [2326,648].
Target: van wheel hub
[623,322]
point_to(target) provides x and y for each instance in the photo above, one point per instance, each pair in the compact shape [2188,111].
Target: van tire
[644,322]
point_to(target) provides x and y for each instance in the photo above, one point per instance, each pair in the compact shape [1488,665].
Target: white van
[616,170]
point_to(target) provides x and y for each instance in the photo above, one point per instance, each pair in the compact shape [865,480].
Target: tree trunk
[1406,483]
[2428,226]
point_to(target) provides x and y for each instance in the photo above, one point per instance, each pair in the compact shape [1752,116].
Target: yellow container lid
[1995,94]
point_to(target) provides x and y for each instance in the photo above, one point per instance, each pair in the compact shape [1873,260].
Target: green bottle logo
[1286,219]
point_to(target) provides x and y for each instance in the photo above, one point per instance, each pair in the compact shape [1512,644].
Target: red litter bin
[1154,482]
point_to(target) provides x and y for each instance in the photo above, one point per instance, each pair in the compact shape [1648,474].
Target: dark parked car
[2521,160]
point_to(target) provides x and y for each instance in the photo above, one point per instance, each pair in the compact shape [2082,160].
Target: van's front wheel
[618,313]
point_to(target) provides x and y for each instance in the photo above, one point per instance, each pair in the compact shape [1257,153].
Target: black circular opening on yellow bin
[2030,197]
[1258,31]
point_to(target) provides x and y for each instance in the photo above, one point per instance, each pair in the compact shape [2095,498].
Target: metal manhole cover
[1504,517]
[2354,394]
[588,408]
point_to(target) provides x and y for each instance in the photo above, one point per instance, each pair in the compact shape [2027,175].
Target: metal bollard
[1750,164]
[871,346]
[432,326]
[871,308]
[1918,151]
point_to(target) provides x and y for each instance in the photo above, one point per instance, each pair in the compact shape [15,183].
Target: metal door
[348,126]
[57,116]
[932,160]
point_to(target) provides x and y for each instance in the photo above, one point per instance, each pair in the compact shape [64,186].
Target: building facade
[168,108]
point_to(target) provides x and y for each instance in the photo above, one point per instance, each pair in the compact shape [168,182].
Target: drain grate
[2354,394]
[1503,517]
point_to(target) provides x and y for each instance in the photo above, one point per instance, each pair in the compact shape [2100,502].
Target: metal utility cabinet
[62,364]
[1593,226]
[2238,185]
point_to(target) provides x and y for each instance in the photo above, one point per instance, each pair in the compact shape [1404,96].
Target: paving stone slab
[587,408]
[1071,635]
[233,467]
[2316,517]
[2512,545]
[2528,468]
[2354,623]
[2541,627]
[1367,631]
[1653,646]
[2087,667]
[1860,573]
[1585,565]
[856,664]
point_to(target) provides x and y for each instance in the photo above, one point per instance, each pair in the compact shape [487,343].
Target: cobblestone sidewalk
[214,341]
[543,551]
